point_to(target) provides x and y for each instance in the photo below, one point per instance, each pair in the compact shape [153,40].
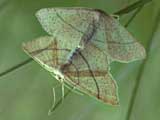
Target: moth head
[58,75]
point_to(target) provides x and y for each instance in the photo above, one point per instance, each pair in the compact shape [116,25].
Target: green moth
[82,43]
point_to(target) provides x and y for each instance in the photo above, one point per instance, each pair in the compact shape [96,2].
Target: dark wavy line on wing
[89,68]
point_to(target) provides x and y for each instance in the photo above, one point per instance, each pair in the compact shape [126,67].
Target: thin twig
[132,7]
[16,67]
[133,16]
[137,5]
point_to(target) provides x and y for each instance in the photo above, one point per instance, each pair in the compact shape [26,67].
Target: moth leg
[54,102]
[77,71]
[55,105]
[62,83]
[115,16]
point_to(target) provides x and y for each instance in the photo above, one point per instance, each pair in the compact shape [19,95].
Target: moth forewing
[70,24]
[47,53]
[75,24]
[110,35]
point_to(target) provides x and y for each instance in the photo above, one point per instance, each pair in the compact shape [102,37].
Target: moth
[81,45]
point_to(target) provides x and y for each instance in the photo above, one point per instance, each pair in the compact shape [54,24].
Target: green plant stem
[133,16]
[16,67]
[132,7]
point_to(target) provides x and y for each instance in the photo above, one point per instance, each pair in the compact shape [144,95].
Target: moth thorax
[58,75]
[73,54]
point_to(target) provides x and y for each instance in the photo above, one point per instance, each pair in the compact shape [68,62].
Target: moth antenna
[62,91]
[91,72]
[54,102]
[77,51]
[60,101]
[64,66]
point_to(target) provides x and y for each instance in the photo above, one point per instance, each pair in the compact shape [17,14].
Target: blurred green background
[26,93]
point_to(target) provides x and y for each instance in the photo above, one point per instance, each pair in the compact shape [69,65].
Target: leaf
[137,91]
[26,93]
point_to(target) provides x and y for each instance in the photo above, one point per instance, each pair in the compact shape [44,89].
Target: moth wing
[47,51]
[89,71]
[121,45]
[66,23]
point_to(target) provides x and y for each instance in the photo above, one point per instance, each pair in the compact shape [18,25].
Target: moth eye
[59,78]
